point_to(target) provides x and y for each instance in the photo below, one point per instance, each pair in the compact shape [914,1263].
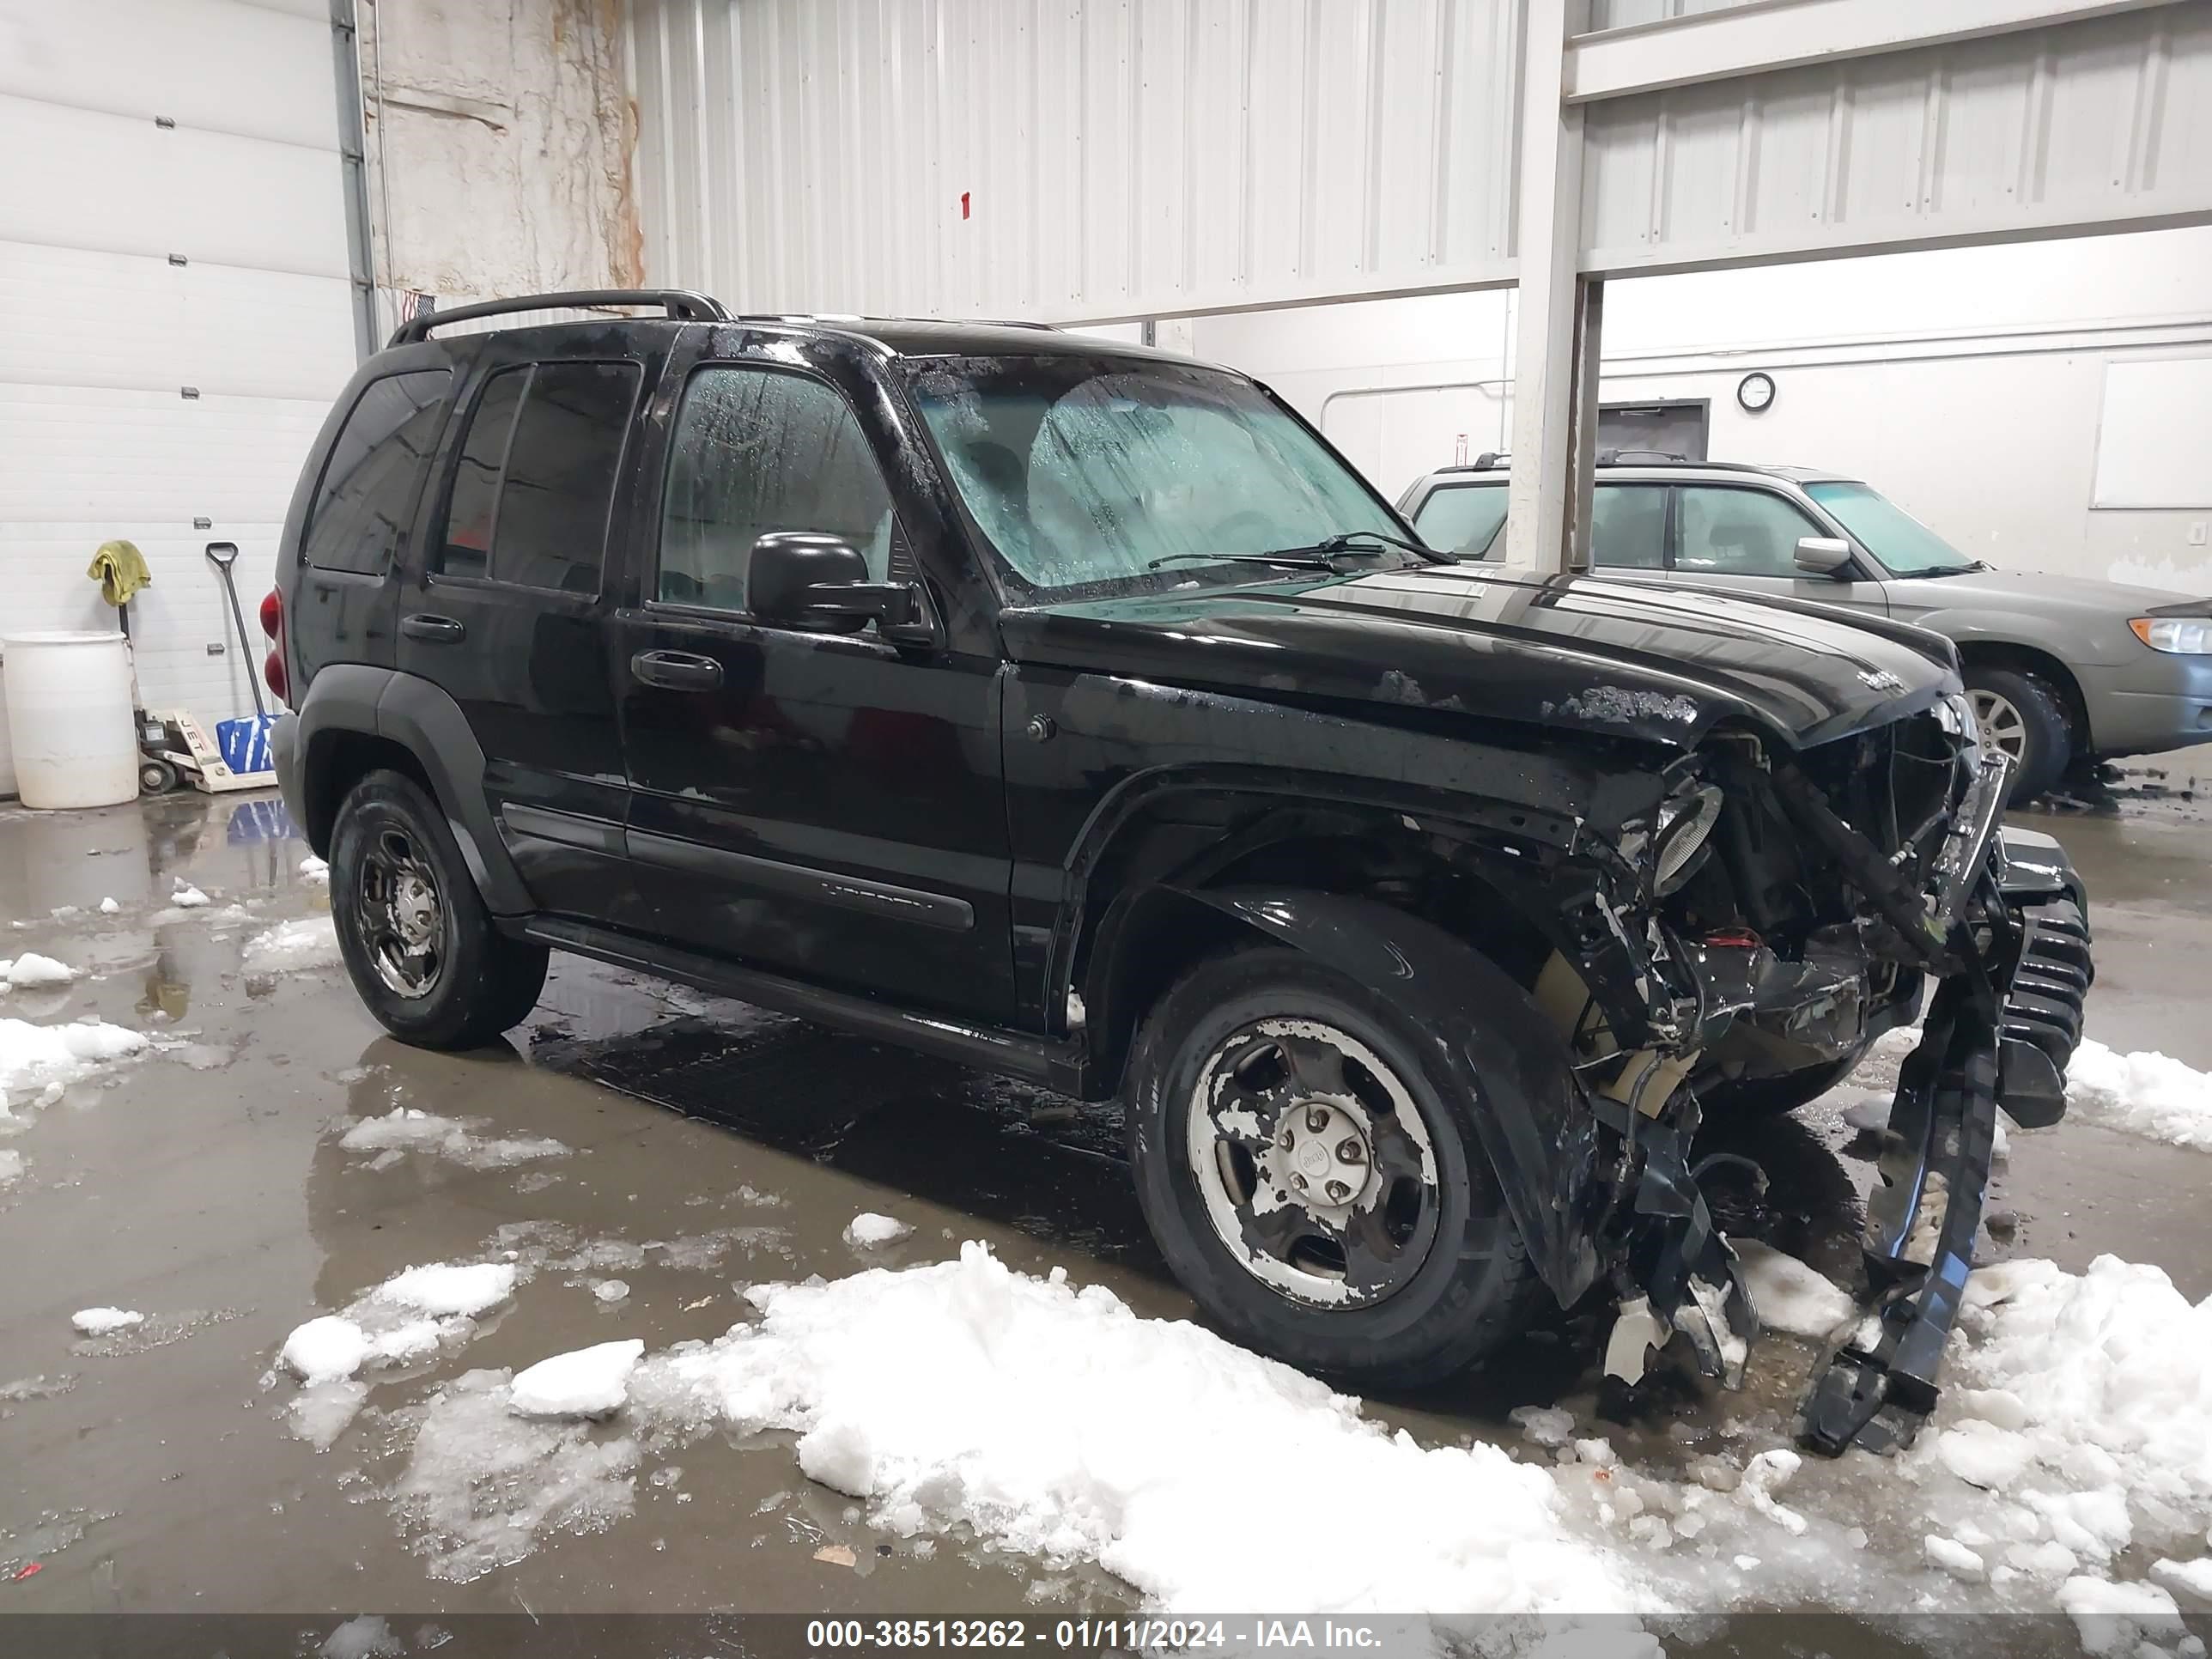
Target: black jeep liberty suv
[1074,710]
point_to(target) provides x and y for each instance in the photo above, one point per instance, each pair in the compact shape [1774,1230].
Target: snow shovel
[243,743]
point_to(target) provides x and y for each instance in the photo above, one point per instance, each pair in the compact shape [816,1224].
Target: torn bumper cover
[2005,1017]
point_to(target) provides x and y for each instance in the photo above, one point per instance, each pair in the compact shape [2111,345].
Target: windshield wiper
[1295,559]
[1356,541]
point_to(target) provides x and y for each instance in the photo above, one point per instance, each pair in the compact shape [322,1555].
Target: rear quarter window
[374,472]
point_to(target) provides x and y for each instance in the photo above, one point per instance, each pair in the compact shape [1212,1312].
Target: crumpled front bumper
[1999,1031]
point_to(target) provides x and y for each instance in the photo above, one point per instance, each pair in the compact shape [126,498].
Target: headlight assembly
[1686,820]
[2178,636]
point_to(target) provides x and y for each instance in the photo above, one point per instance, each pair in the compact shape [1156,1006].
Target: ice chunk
[326,1349]
[1788,1295]
[1544,1426]
[30,971]
[187,897]
[611,1290]
[1766,1474]
[1982,1455]
[108,907]
[11,1167]
[292,946]
[2188,1581]
[405,1129]
[446,1288]
[1955,1558]
[868,1231]
[480,1483]
[363,1636]
[587,1382]
[314,871]
[321,1412]
[2112,1619]
[104,1321]
[53,1056]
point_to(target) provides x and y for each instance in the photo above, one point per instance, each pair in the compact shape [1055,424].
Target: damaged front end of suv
[1769,913]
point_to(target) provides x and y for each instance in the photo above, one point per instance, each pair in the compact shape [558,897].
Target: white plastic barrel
[69,719]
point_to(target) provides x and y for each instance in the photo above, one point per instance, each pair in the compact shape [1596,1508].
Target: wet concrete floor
[713,1146]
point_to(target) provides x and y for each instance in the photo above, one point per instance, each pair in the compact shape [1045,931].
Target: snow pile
[1057,1423]
[403,1129]
[31,970]
[290,946]
[105,1322]
[2144,1094]
[482,1483]
[187,897]
[2078,1425]
[1788,1295]
[315,871]
[587,1382]
[50,1057]
[868,1231]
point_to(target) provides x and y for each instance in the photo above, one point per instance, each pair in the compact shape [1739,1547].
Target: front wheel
[417,941]
[2022,716]
[1314,1188]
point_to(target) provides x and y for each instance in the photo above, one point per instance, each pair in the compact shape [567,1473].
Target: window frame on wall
[898,553]
[439,539]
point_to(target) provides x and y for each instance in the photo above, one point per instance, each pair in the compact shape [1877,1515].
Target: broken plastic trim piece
[1920,1228]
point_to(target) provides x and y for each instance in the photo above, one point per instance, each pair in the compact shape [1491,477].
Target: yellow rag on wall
[120,569]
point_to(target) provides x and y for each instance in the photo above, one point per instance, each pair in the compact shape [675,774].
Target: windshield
[1906,546]
[1084,469]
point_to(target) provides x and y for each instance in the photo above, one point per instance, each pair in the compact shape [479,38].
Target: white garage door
[175,314]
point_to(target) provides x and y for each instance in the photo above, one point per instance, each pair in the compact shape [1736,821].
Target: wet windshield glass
[1088,470]
[1886,530]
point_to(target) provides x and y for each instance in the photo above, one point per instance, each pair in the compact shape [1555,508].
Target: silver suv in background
[2060,668]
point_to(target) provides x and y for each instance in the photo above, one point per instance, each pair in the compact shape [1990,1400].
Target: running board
[1057,1065]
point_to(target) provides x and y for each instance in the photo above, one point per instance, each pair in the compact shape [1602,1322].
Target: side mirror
[801,580]
[1823,555]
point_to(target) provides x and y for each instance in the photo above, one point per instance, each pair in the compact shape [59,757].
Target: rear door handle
[676,671]
[431,628]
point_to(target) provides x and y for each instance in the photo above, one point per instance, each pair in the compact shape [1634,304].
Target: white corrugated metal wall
[1070,158]
[171,216]
[1177,156]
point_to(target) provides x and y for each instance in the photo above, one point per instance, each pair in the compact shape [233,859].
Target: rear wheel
[2021,715]
[417,941]
[1317,1193]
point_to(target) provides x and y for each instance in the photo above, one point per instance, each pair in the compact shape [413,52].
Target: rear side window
[1462,519]
[759,451]
[369,482]
[1628,527]
[535,481]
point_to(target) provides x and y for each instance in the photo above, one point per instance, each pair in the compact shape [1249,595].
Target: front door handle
[676,671]
[423,627]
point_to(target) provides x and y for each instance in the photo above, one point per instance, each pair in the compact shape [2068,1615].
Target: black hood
[1659,664]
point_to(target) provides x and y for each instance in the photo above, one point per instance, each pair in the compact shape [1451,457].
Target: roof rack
[680,304]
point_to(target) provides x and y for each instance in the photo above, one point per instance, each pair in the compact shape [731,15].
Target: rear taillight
[272,624]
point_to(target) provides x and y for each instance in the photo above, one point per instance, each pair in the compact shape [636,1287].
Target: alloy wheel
[1316,1167]
[402,915]
[2002,725]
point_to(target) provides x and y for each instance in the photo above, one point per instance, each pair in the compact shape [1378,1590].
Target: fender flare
[1484,1036]
[424,720]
